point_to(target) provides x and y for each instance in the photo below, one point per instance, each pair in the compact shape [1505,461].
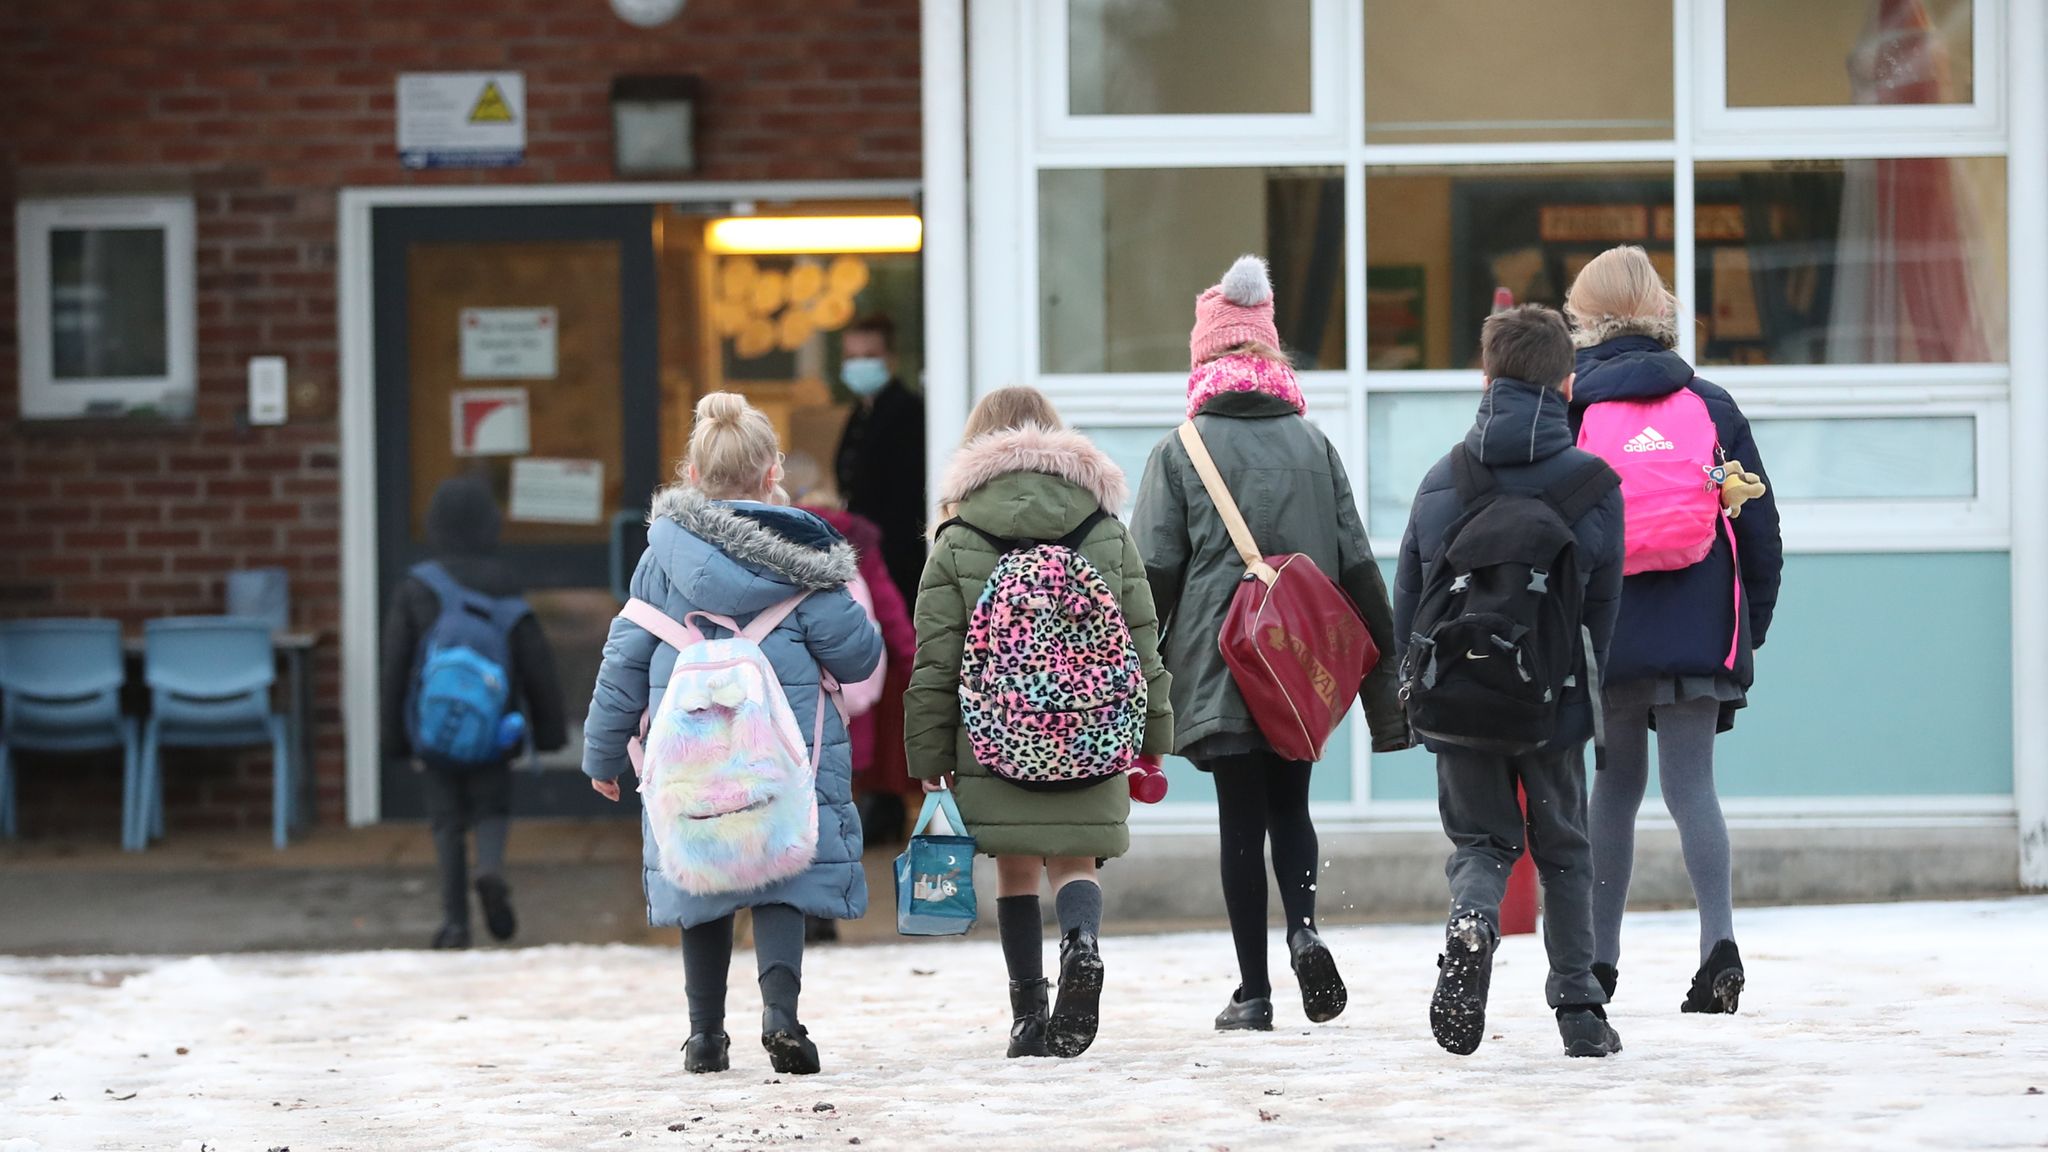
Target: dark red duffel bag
[1294,642]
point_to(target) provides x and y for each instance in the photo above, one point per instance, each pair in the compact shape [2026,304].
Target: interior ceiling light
[803,235]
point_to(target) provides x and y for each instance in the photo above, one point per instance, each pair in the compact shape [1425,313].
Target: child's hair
[1618,293]
[1258,348]
[1008,408]
[1530,343]
[733,447]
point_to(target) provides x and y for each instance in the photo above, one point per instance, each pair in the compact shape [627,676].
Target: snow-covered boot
[1028,1018]
[789,1046]
[1074,1018]
[1246,1014]
[1457,1012]
[708,1052]
[1717,987]
[1586,1031]
[1322,990]
[1608,978]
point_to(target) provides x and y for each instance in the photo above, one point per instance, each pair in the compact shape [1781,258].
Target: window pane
[1129,448]
[1123,253]
[1823,53]
[1852,261]
[1482,70]
[107,303]
[1886,458]
[1151,57]
[1441,240]
[1405,433]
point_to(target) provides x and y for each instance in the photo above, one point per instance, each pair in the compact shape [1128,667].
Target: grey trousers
[459,800]
[1476,799]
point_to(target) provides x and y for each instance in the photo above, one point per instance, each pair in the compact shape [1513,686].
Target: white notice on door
[558,491]
[508,343]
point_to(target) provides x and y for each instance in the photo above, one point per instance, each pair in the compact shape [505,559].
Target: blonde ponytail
[733,450]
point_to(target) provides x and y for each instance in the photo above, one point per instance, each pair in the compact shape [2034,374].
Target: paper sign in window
[548,491]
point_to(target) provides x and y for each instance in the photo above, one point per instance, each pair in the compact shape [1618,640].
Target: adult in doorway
[881,455]
[1293,493]
[1682,660]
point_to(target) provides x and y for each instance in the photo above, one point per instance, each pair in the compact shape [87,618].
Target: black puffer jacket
[1522,434]
[462,530]
[1680,623]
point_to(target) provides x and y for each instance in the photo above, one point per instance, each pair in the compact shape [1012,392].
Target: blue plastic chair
[209,687]
[62,685]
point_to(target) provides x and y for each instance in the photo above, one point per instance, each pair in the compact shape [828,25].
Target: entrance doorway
[557,352]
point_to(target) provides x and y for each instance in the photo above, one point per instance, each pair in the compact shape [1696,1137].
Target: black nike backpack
[1499,645]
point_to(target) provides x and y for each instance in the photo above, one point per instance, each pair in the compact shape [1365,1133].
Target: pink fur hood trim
[1063,453]
[1242,373]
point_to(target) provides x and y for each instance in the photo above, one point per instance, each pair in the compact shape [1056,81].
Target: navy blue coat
[1680,623]
[1522,434]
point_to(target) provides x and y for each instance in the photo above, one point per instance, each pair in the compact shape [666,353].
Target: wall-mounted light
[654,125]
[801,235]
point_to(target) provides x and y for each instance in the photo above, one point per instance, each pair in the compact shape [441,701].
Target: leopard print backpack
[1051,690]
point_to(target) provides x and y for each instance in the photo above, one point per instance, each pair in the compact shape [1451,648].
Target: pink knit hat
[1237,311]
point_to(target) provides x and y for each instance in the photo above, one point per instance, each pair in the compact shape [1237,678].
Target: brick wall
[263,109]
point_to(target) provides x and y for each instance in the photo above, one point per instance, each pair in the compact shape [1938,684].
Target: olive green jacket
[1291,488]
[1026,484]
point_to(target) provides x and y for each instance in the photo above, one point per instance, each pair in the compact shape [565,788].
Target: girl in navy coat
[1682,659]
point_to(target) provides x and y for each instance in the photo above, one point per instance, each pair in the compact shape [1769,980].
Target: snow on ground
[1911,1025]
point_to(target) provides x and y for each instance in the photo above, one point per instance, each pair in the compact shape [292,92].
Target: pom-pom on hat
[1239,310]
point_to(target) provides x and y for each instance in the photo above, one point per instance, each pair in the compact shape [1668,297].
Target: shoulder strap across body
[1008,544]
[1226,506]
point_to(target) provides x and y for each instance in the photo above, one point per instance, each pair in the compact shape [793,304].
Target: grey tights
[1685,772]
[778,957]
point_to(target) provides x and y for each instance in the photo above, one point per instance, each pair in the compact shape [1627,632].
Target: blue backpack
[464,688]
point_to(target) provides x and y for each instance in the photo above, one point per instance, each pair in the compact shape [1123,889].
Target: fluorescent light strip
[803,235]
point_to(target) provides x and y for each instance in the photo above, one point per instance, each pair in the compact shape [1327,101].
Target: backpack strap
[1073,539]
[1002,544]
[1581,490]
[1226,506]
[767,619]
[664,627]
[1474,479]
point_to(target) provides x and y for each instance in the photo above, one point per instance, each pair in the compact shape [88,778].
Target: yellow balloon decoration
[756,338]
[832,311]
[805,281]
[849,275]
[793,329]
[736,278]
[728,317]
[769,292]
[762,309]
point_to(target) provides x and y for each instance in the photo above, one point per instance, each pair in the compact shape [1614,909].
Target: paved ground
[1885,1026]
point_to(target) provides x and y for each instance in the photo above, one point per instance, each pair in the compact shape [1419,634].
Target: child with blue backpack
[718,688]
[1038,696]
[467,675]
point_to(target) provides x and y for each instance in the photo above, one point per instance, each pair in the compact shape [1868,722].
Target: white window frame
[43,397]
[1084,136]
[1891,130]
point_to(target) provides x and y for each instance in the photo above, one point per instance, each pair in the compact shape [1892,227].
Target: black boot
[1586,1031]
[1074,1019]
[1028,1018]
[1242,1014]
[1322,990]
[818,930]
[1608,978]
[708,1052]
[451,937]
[789,1046]
[496,898]
[1457,1012]
[1717,987]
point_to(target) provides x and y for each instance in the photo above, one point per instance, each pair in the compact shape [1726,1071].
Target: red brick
[167,538]
[131,565]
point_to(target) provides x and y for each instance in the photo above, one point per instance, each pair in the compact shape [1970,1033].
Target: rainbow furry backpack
[730,791]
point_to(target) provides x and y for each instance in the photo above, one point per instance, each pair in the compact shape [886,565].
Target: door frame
[358,404]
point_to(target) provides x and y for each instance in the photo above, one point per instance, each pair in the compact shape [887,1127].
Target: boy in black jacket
[1523,440]
[462,530]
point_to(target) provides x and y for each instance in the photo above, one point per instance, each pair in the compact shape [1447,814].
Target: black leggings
[1260,795]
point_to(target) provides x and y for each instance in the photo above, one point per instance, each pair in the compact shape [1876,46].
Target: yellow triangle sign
[491,107]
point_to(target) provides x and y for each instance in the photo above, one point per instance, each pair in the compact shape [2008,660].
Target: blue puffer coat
[735,559]
[1680,623]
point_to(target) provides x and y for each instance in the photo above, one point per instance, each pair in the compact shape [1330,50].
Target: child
[465,793]
[1021,479]
[1503,699]
[716,544]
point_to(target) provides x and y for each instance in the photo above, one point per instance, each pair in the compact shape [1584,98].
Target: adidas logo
[1649,440]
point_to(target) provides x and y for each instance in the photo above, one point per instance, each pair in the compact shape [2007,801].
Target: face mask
[864,375]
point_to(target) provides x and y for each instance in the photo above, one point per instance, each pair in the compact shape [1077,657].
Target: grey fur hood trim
[1063,453]
[822,561]
[1600,329]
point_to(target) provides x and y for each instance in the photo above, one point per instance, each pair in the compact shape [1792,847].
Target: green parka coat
[1025,484]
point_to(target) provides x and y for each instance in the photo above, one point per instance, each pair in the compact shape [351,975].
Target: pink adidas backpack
[1665,450]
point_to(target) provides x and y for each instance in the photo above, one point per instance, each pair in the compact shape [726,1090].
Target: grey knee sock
[490,845]
[779,956]
[1022,925]
[1617,796]
[1685,770]
[707,953]
[1079,905]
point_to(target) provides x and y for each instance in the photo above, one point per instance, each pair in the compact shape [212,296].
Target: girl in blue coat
[716,544]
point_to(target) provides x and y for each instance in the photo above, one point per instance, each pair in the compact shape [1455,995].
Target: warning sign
[491,422]
[461,119]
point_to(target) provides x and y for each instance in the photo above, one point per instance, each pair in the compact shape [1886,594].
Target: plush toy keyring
[1738,487]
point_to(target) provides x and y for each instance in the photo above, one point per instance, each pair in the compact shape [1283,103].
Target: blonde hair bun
[733,448]
[723,408]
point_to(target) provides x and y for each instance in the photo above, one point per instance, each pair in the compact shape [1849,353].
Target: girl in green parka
[1021,476]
